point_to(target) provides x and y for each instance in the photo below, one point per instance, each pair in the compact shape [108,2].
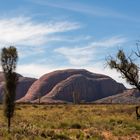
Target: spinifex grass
[72,122]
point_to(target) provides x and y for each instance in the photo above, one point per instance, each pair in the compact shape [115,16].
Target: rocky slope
[131,96]
[23,85]
[60,85]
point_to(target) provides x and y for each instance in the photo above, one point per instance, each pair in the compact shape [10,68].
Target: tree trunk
[9,124]
[137,112]
[39,101]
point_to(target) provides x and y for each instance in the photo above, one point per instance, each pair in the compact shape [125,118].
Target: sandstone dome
[60,85]
[23,85]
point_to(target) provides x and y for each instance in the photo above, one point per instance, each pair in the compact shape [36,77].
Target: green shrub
[76,126]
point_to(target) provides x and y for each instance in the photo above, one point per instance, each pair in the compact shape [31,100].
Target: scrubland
[71,122]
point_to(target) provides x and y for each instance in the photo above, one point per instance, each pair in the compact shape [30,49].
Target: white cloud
[23,51]
[111,42]
[81,8]
[92,9]
[33,70]
[76,56]
[70,39]
[36,70]
[25,31]
[83,55]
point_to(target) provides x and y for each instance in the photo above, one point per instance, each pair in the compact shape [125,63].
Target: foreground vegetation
[72,122]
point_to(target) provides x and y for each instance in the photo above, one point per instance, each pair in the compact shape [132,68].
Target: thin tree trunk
[137,112]
[39,98]
[39,101]
[9,124]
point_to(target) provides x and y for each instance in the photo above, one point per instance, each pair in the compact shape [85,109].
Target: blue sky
[60,34]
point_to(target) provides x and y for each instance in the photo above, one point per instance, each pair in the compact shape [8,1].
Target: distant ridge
[131,96]
[23,85]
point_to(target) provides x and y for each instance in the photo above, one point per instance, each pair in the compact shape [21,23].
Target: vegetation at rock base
[70,122]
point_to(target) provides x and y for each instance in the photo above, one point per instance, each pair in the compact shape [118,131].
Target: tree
[9,58]
[126,66]
[76,97]
[39,96]
[137,112]
[128,69]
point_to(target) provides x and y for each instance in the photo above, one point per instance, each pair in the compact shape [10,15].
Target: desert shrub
[43,135]
[60,137]
[63,125]
[76,126]
[35,106]
[137,127]
[80,136]
[50,133]
[18,108]
[112,122]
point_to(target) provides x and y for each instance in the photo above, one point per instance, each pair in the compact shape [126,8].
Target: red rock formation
[59,85]
[23,85]
[89,89]
[130,96]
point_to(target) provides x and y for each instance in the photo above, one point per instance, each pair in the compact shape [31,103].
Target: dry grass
[72,122]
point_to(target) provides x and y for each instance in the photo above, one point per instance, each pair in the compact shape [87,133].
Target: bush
[76,126]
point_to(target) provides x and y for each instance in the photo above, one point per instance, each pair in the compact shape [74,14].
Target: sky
[60,34]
